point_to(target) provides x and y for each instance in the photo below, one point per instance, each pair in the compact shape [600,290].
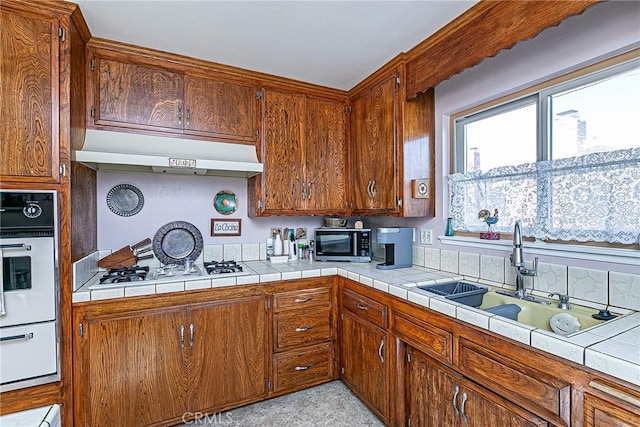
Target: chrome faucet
[517,261]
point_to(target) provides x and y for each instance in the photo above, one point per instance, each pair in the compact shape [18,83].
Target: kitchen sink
[539,315]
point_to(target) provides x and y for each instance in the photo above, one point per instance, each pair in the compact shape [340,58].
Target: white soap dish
[564,324]
[278,259]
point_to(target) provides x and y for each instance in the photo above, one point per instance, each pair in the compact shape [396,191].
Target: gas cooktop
[136,275]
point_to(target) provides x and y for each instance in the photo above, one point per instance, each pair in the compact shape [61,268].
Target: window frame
[541,95]
[541,92]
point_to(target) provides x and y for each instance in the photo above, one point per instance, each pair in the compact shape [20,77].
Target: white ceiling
[330,43]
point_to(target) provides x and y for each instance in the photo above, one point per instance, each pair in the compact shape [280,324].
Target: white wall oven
[28,289]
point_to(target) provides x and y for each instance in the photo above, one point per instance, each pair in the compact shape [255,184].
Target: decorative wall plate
[225,202]
[125,200]
[176,242]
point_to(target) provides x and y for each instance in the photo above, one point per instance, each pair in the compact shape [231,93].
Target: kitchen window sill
[614,255]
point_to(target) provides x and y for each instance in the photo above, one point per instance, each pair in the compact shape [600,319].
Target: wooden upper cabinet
[373,143]
[134,95]
[325,156]
[304,155]
[30,87]
[158,96]
[219,108]
[281,186]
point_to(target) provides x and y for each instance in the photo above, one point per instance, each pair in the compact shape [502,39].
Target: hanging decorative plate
[125,200]
[225,202]
[176,242]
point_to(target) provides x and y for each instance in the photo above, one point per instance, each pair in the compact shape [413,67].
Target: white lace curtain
[594,197]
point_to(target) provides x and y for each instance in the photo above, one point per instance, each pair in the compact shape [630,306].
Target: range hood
[119,151]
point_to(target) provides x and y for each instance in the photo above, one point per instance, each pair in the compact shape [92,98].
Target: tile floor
[331,404]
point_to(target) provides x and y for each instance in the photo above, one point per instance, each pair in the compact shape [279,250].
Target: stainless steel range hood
[119,151]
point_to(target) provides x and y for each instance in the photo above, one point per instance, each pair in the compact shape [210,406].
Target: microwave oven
[343,244]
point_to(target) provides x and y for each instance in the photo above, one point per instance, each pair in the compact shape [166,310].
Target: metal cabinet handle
[179,114]
[302,299]
[373,189]
[188,116]
[309,185]
[380,351]
[304,190]
[16,246]
[181,336]
[455,401]
[369,193]
[362,307]
[191,333]
[26,336]
[303,329]
[303,368]
[464,400]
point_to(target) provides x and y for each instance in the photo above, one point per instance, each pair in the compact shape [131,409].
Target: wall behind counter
[182,198]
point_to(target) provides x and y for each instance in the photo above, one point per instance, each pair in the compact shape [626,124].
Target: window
[564,159]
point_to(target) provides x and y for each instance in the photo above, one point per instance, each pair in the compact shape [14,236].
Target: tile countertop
[612,347]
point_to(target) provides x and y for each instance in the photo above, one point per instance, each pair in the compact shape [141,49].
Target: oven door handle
[17,337]
[16,246]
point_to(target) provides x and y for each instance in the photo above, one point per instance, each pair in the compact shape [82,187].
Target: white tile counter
[612,347]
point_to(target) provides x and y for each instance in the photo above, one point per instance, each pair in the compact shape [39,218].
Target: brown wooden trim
[482,32]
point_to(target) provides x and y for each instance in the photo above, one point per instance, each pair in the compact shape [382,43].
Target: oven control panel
[27,211]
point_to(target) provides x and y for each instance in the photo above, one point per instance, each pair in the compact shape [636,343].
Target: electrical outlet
[426,236]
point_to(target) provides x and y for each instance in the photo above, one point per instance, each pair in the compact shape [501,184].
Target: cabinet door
[432,392]
[325,156]
[605,413]
[374,149]
[282,151]
[29,83]
[228,352]
[221,109]
[479,407]
[364,363]
[135,371]
[134,95]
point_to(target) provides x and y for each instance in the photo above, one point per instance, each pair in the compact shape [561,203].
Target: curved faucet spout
[517,261]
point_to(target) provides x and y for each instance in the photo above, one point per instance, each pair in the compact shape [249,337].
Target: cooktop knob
[33,210]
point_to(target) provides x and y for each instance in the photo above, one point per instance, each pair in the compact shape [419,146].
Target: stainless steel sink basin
[539,315]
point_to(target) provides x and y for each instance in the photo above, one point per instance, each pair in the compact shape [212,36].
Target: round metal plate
[125,200]
[176,242]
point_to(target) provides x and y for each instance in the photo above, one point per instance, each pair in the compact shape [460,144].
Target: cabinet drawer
[294,370]
[429,339]
[365,308]
[534,389]
[301,327]
[302,298]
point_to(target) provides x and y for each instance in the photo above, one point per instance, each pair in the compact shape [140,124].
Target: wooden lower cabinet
[438,396]
[152,366]
[365,362]
[616,408]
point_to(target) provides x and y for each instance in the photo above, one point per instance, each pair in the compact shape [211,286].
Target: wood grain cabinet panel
[430,339]
[134,369]
[302,299]
[151,366]
[221,109]
[373,144]
[304,156]
[139,93]
[30,87]
[228,352]
[616,408]
[437,396]
[300,328]
[302,368]
[365,362]
[365,308]
[134,95]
